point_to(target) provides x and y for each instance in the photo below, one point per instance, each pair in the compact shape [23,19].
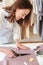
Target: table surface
[32,46]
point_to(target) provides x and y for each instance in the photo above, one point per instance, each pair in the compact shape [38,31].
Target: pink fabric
[21,60]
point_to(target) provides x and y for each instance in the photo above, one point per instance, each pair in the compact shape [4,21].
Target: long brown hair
[21,4]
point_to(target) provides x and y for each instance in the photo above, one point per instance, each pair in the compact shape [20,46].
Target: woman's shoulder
[1,15]
[3,12]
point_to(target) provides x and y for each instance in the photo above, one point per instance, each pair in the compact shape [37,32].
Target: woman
[14,18]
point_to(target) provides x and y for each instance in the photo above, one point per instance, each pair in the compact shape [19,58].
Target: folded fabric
[23,57]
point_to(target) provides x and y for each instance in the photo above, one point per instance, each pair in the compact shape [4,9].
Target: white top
[8,31]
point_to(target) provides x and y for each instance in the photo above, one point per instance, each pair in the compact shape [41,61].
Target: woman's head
[21,13]
[20,9]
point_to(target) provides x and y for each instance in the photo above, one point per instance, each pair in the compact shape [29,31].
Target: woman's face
[21,13]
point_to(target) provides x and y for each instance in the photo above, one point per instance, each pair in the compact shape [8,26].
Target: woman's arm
[17,37]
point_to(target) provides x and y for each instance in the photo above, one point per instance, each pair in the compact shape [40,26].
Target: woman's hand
[10,54]
[19,45]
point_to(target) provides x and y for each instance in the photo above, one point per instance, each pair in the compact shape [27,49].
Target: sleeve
[17,33]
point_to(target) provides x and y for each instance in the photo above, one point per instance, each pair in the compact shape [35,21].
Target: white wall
[6,3]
